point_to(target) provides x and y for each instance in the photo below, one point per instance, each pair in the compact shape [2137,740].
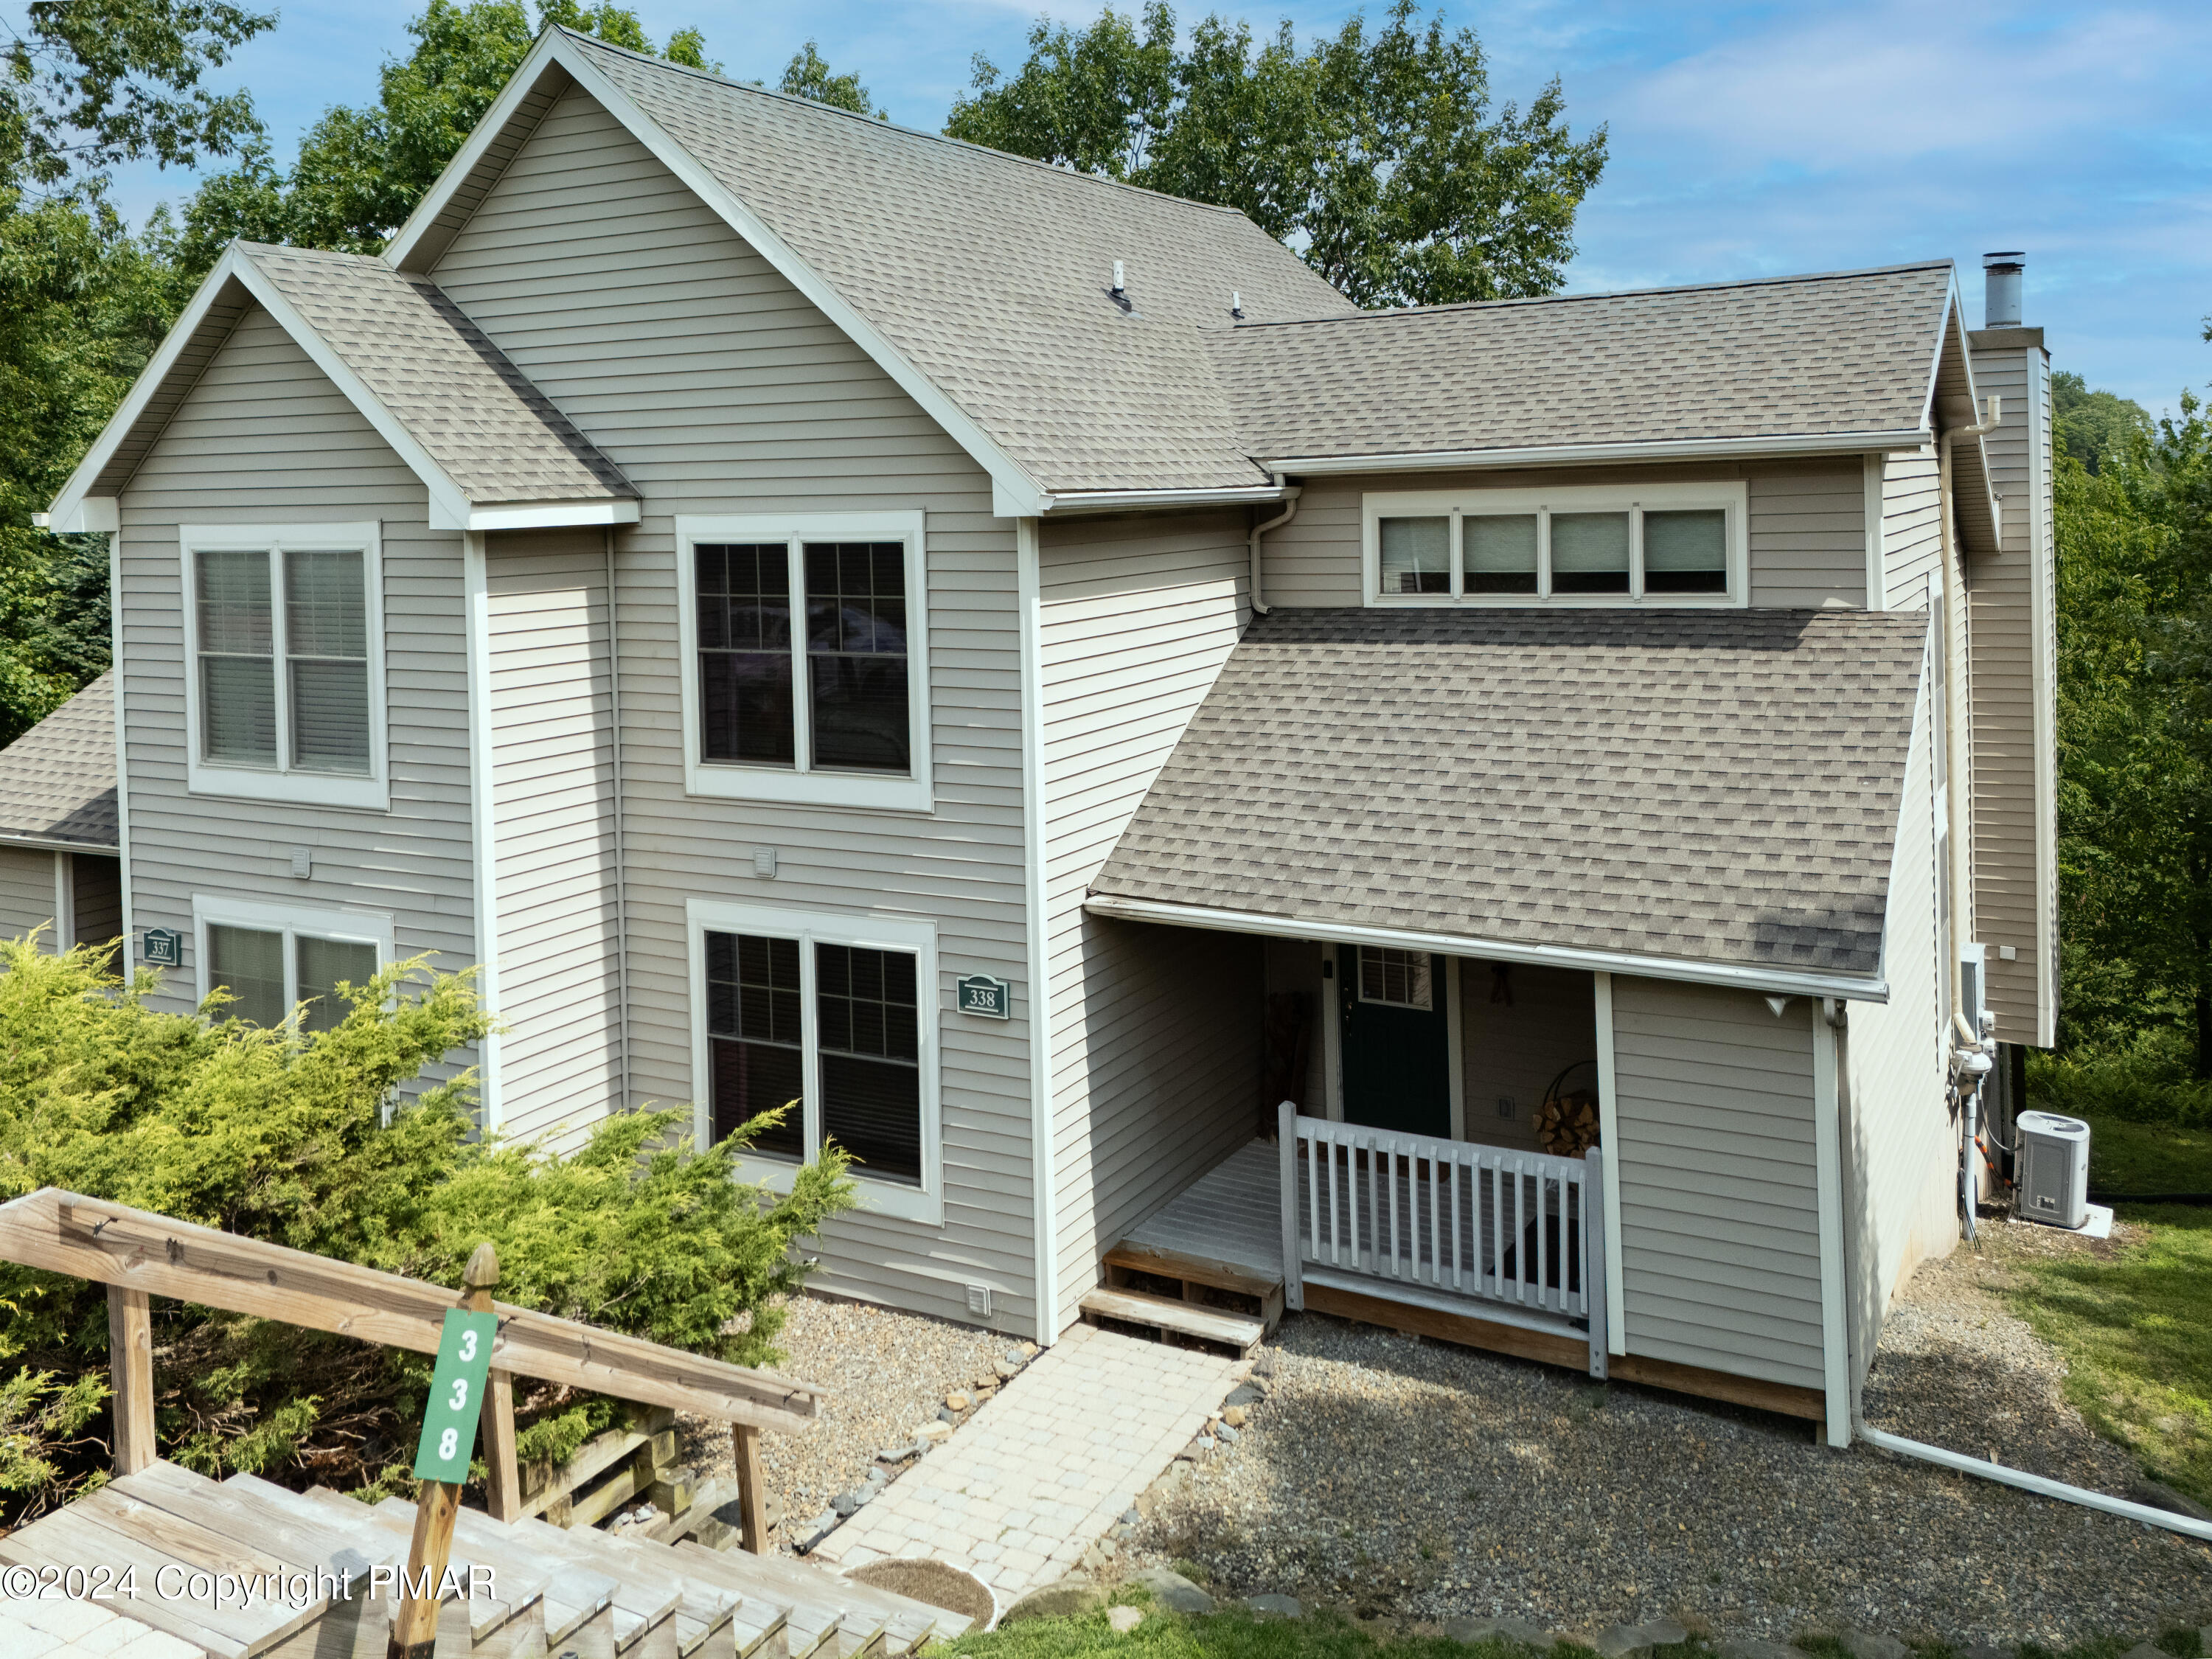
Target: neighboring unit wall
[1806,530]
[1521,1027]
[1911,531]
[2009,677]
[1720,1229]
[1156,1030]
[265,438]
[718,388]
[1901,1148]
[553,776]
[27,892]
[96,897]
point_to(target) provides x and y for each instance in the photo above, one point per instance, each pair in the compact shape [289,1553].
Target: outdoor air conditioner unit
[2054,1169]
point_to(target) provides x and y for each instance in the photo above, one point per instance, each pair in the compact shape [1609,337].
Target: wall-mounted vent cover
[979,1301]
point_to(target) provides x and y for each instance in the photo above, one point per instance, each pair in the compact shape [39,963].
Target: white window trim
[348,927]
[1458,505]
[737,781]
[924,1203]
[203,777]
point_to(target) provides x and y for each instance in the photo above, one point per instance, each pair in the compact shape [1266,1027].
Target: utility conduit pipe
[1290,494]
[2040,1485]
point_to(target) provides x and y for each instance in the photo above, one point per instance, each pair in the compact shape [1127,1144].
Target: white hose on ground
[2037,1484]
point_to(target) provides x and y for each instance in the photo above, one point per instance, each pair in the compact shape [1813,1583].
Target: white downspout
[1291,494]
[1969,1064]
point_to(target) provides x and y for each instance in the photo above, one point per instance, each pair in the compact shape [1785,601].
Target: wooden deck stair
[556,1590]
[1170,1315]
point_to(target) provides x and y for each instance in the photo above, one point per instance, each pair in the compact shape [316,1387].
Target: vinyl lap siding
[1806,532]
[1808,538]
[26,893]
[1155,1029]
[719,389]
[96,897]
[263,437]
[1720,1243]
[2000,672]
[1900,1150]
[1912,532]
[552,716]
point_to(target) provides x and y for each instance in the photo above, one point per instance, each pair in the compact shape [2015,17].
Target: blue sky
[1746,138]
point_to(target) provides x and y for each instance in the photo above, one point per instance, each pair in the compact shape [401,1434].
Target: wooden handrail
[155,1254]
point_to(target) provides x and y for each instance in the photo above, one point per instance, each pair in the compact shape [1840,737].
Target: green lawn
[2148,1157]
[2135,1327]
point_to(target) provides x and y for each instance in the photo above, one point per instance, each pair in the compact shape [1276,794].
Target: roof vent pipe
[2001,298]
[1118,283]
[1236,305]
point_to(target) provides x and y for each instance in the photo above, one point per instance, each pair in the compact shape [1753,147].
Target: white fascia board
[70,510]
[42,844]
[1014,494]
[553,515]
[1849,987]
[1114,501]
[1731,449]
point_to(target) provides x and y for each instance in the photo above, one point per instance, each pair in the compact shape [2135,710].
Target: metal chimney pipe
[2001,301]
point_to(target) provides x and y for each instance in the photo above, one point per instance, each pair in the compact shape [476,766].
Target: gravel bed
[1401,1477]
[888,1372]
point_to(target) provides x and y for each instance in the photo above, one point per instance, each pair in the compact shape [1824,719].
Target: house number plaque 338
[982,995]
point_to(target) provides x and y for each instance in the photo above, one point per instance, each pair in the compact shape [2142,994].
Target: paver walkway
[1045,1466]
[33,1629]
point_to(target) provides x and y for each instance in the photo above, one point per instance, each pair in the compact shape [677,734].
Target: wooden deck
[1233,1217]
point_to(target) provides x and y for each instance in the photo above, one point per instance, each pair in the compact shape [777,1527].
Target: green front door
[1397,1042]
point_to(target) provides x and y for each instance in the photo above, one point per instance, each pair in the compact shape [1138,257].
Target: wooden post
[415,1622]
[131,1375]
[752,1490]
[503,1477]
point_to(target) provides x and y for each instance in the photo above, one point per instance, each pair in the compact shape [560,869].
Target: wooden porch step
[1237,1331]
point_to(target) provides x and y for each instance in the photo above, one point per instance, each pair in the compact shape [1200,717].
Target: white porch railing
[1513,1237]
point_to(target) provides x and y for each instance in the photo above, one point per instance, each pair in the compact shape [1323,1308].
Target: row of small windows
[1543,554]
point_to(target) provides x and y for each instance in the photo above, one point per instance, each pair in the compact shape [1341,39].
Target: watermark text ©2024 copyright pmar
[296,1587]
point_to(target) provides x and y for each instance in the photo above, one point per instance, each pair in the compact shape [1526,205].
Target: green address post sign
[449,1421]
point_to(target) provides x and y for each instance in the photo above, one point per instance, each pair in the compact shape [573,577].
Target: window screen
[744,652]
[1589,552]
[856,652]
[326,654]
[237,652]
[868,1026]
[322,965]
[1416,555]
[755,1042]
[249,965]
[1685,552]
[1501,552]
[1401,978]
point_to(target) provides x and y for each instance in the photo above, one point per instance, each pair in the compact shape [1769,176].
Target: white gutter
[2035,1483]
[1820,443]
[1781,980]
[36,843]
[1101,501]
[1291,494]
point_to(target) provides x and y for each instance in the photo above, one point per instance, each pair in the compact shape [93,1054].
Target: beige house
[1163,765]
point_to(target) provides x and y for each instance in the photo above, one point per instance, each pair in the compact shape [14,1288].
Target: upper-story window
[805,663]
[284,677]
[1667,545]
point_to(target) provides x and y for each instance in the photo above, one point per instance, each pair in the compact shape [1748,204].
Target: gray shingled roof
[57,780]
[492,431]
[990,274]
[1717,785]
[1848,352]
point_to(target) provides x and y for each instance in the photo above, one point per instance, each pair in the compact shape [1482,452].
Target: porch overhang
[1771,982]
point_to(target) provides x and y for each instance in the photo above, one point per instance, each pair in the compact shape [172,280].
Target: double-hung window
[1664,545]
[284,671]
[835,1019]
[805,660]
[273,958]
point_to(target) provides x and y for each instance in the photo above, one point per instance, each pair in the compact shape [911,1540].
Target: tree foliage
[808,75]
[282,1135]
[2135,738]
[2093,426]
[1377,155]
